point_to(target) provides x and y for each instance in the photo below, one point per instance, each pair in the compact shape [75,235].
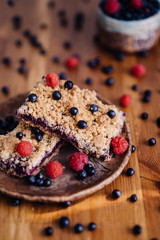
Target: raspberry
[119,145]
[126,100]
[24,148]
[72,62]
[77,161]
[52,79]
[112,6]
[138,70]
[137,4]
[54,169]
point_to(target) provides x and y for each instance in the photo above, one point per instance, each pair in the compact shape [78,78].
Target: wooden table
[115,219]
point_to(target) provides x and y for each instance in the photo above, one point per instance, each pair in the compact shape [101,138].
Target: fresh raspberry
[138,70]
[54,169]
[137,4]
[119,145]
[78,160]
[126,100]
[52,79]
[24,148]
[112,6]
[72,62]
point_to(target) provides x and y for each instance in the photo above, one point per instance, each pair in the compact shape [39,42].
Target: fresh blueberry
[107,69]
[90,171]
[98,60]
[42,51]
[56,95]
[22,61]
[88,166]
[92,63]
[11,3]
[67,45]
[148,92]
[31,179]
[26,33]
[116,194]
[48,231]
[21,69]
[6,61]
[133,198]
[109,81]
[18,43]
[143,53]
[78,228]
[61,13]
[62,75]
[130,172]
[94,108]
[39,182]
[66,204]
[120,56]
[39,137]
[111,114]
[39,176]
[158,121]
[32,98]
[144,116]
[135,87]
[19,135]
[81,175]
[36,130]
[15,202]
[146,98]
[152,141]
[64,222]
[82,124]
[133,149]
[43,26]
[5,89]
[92,226]
[47,182]
[17,20]
[64,22]
[89,81]
[74,111]
[68,85]
[55,59]
[137,229]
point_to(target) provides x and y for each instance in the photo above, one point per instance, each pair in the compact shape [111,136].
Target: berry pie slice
[75,115]
[25,150]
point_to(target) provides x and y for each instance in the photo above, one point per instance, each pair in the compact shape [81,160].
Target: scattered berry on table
[137,4]
[17,21]
[143,53]
[47,182]
[64,22]
[72,62]
[111,114]
[68,85]
[133,198]
[48,231]
[56,95]
[43,26]
[66,204]
[107,69]
[74,111]
[62,13]
[137,229]
[126,100]
[24,148]
[42,51]
[148,92]
[94,108]
[144,116]
[32,98]
[6,61]
[130,172]
[158,121]
[133,149]
[146,99]
[116,194]
[119,145]
[77,161]
[22,61]
[52,79]
[55,59]
[152,141]
[79,20]
[26,33]
[92,63]
[31,179]
[19,135]
[89,81]
[109,81]
[21,69]
[18,42]
[92,226]
[78,228]
[112,6]
[62,75]
[54,169]
[82,124]
[120,56]
[135,87]
[15,202]
[67,44]
[138,70]
[64,222]
[11,3]
[82,174]
[5,89]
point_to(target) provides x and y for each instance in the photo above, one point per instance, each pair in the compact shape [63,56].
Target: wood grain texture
[115,219]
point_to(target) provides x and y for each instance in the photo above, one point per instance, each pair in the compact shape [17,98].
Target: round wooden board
[65,188]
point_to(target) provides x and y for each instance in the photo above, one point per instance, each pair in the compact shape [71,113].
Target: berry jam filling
[128,12]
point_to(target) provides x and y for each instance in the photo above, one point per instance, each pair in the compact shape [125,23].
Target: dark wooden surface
[115,219]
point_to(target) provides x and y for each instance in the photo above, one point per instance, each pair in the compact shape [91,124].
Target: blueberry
[21,70]
[133,149]
[120,56]
[98,60]
[89,81]
[88,166]
[94,108]
[31,179]
[39,182]
[48,231]
[22,61]
[81,175]
[133,198]
[17,20]
[56,95]
[19,135]
[15,202]
[6,61]
[130,172]
[68,85]
[91,171]
[39,137]
[64,222]
[43,26]
[5,89]
[144,116]
[137,229]
[109,81]
[18,43]
[74,111]
[92,63]
[39,176]
[9,119]
[67,45]
[152,141]
[135,87]
[55,59]
[107,69]
[143,53]
[78,228]
[66,204]
[10,3]
[62,75]
[47,182]
[92,226]
[42,51]
[36,130]
[146,99]
[82,124]
[26,33]
[148,92]
[32,98]
[111,114]
[158,121]
[116,194]
[61,13]
[64,22]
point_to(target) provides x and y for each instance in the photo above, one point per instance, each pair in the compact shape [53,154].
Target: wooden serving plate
[65,188]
